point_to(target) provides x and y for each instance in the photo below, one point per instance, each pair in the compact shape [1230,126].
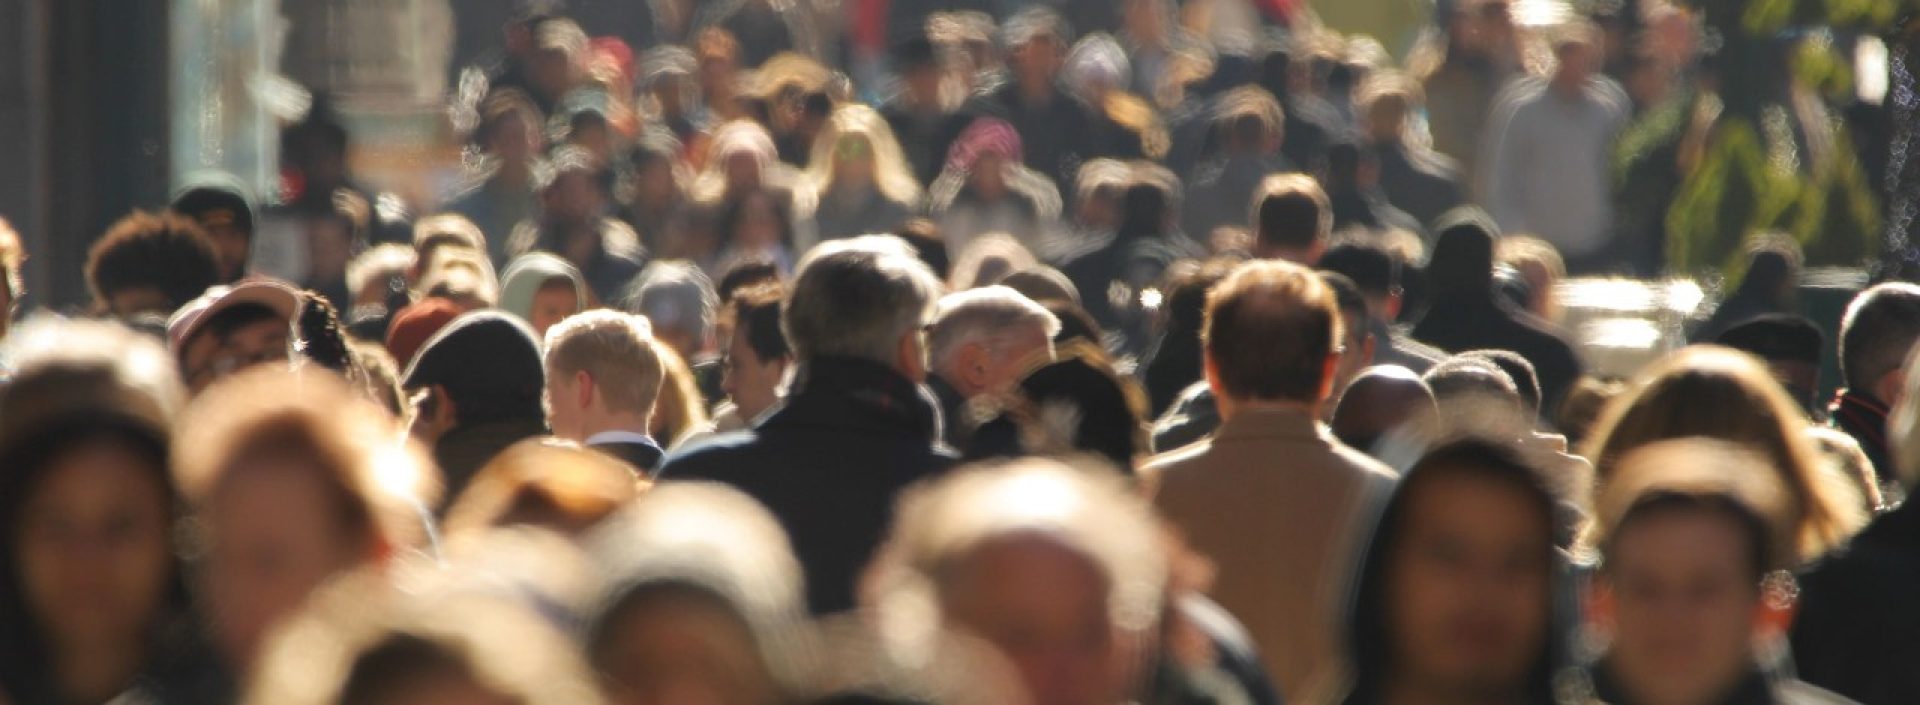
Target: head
[150,263]
[739,160]
[377,275]
[1789,345]
[984,152]
[1526,381]
[1462,263]
[1373,270]
[1378,401]
[1457,591]
[989,258]
[866,297]
[1475,390]
[1356,341]
[224,210]
[1540,266]
[756,222]
[1387,101]
[230,329]
[602,374]
[1577,54]
[919,63]
[1036,41]
[1721,394]
[1248,121]
[1272,334]
[483,367]
[558,61]
[717,55]
[757,358]
[542,290]
[462,276]
[1773,270]
[1057,566]
[544,483]
[1291,219]
[856,150]
[1097,190]
[680,410]
[1687,532]
[509,127]
[293,477]
[1876,335]
[983,339]
[573,193]
[316,148]
[445,231]
[679,301]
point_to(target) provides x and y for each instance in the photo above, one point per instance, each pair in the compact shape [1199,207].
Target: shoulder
[712,457]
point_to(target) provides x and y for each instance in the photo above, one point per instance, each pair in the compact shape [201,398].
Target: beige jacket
[1283,511]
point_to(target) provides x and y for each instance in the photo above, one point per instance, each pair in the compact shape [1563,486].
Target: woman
[987,188]
[543,289]
[741,162]
[1719,393]
[857,181]
[758,226]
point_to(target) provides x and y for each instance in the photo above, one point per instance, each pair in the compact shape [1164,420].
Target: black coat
[829,464]
[1857,631]
[1462,321]
[1425,184]
[644,457]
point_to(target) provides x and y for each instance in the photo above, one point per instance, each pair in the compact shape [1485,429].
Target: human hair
[382,482]
[501,105]
[756,315]
[460,275]
[1522,250]
[1879,329]
[616,350]
[1698,475]
[1270,328]
[676,297]
[858,297]
[544,482]
[165,251]
[382,261]
[987,315]
[715,42]
[1098,174]
[570,160]
[853,124]
[1291,211]
[1369,266]
[1389,97]
[445,230]
[734,137]
[1720,393]
[680,410]
[60,367]
[1575,33]
[988,258]
[377,375]
[1032,23]
[12,255]
[1247,116]
[1526,380]
[746,274]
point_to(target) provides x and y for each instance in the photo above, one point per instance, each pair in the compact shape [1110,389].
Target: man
[1424,183]
[1055,128]
[1291,219]
[1272,498]
[754,370]
[477,386]
[602,378]
[1380,400]
[923,121]
[1790,345]
[1356,340]
[1687,534]
[1547,153]
[1455,599]
[229,329]
[150,264]
[502,196]
[1876,335]
[1378,276]
[678,300]
[221,205]
[856,427]
[982,341]
[574,224]
[1249,128]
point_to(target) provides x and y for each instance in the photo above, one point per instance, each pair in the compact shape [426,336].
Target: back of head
[1371,268]
[1042,283]
[984,314]
[446,230]
[542,482]
[858,298]
[613,348]
[1271,329]
[1380,400]
[1877,333]
[1463,253]
[1525,380]
[1776,337]
[1248,119]
[1291,214]
[1466,386]
[60,368]
[678,299]
[165,253]
[489,364]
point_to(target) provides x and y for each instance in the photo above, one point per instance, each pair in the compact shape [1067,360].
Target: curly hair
[163,251]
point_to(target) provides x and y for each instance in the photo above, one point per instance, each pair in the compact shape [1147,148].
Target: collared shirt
[618,436]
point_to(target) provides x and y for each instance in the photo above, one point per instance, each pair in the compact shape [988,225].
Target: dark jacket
[924,137]
[1755,689]
[1857,631]
[1425,184]
[828,463]
[644,457]
[1865,418]
[1057,135]
[489,365]
[1220,191]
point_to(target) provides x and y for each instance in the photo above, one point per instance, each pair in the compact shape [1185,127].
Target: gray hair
[857,298]
[986,315]
[675,296]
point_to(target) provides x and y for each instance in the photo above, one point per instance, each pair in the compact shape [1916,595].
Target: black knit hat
[489,363]
[1777,336]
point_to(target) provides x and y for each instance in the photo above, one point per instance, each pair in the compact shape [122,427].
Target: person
[702,599]
[543,289]
[1278,538]
[681,411]
[1687,537]
[12,285]
[1380,400]
[602,379]
[920,116]
[549,484]
[1465,314]
[1145,244]
[1460,596]
[857,182]
[221,204]
[742,164]
[986,189]
[1718,393]
[982,342]
[93,604]
[1174,363]
[856,426]
[1097,190]
[657,208]
[1073,406]
[1769,285]
[679,301]
[1878,332]
[1055,127]
[377,279]
[1356,345]
[1291,218]
[477,385]
[1855,626]
[1352,178]
[1462,74]
[755,362]
[574,224]
[1249,129]
[1790,346]
[149,263]
[233,328]
[1070,592]
[1378,275]
[1539,268]
[1415,178]
[292,465]
[1546,152]
[501,194]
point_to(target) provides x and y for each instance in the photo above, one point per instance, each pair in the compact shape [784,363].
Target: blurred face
[989,176]
[93,549]
[274,534]
[209,358]
[759,226]
[742,171]
[553,303]
[329,248]
[550,72]
[597,140]
[923,83]
[127,303]
[1468,587]
[1101,210]
[853,162]
[654,183]
[230,243]
[574,198]
[1685,605]
[1577,63]
[514,140]
[753,383]
[1045,607]
[1037,61]
[671,650]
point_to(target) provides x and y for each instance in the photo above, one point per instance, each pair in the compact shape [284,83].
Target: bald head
[1379,400]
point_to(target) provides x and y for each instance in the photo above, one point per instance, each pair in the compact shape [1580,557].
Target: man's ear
[1329,369]
[583,389]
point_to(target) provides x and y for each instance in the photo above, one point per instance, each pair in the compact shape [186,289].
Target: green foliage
[1731,194]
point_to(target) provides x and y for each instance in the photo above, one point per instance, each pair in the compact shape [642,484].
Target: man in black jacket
[856,427]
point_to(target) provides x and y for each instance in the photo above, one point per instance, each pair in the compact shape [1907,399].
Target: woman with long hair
[857,181]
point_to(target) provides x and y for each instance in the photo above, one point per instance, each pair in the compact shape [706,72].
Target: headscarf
[984,136]
[528,273]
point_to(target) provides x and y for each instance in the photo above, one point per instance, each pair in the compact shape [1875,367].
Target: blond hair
[892,177]
[680,410]
[616,349]
[545,482]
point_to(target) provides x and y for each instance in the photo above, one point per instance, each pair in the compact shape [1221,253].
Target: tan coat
[1283,511]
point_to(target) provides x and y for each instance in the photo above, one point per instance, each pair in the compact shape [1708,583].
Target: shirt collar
[619,436]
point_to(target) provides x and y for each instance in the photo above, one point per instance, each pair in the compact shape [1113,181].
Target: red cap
[414,325]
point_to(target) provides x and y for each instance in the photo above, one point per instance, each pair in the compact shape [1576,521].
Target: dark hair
[1075,323]
[1754,528]
[1291,211]
[1346,294]
[1776,336]
[165,251]
[1371,268]
[1526,382]
[1269,330]
[756,314]
[746,274]
[1465,378]
[1879,329]
[1462,258]
[390,665]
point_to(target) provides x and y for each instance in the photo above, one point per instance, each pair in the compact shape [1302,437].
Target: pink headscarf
[985,136]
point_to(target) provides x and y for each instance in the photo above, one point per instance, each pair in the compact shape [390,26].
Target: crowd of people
[1132,367]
